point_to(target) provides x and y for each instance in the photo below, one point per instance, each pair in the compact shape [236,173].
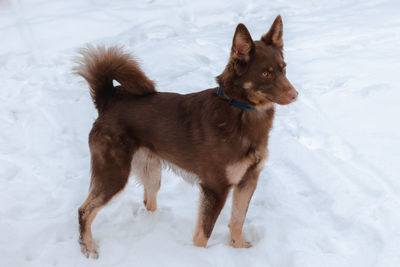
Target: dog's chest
[254,147]
[254,161]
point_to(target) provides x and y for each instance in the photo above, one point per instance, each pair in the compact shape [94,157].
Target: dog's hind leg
[87,212]
[211,203]
[147,168]
[111,163]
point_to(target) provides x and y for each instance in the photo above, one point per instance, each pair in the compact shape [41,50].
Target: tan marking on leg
[239,210]
[88,246]
[90,209]
[199,238]
[241,199]
[87,213]
[151,203]
[147,169]
[235,171]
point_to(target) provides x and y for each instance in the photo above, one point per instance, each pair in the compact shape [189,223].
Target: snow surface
[329,194]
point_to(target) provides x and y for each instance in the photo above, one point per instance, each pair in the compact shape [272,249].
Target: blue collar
[233,101]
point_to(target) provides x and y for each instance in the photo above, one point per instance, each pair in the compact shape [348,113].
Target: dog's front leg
[242,194]
[211,203]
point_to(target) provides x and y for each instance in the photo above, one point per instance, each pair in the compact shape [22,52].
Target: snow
[329,194]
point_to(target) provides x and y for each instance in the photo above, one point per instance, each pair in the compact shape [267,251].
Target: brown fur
[222,145]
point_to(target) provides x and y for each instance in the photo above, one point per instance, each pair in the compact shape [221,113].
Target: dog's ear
[275,34]
[242,46]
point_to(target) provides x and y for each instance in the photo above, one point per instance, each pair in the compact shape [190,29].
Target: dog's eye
[267,74]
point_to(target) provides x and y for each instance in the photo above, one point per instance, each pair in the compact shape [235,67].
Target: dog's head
[256,72]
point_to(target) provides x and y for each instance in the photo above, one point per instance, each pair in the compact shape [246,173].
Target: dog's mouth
[261,98]
[269,99]
[286,99]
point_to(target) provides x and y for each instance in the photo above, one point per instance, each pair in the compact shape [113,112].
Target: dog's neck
[237,96]
[232,101]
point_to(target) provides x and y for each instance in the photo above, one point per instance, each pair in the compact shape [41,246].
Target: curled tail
[100,66]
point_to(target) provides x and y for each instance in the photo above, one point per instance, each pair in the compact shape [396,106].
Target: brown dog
[218,136]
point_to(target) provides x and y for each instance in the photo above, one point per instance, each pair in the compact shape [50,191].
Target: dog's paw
[199,240]
[93,254]
[239,243]
[89,250]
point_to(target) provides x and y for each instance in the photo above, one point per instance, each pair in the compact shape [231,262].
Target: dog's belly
[186,175]
[143,164]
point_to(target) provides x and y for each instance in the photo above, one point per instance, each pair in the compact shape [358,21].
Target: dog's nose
[293,95]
